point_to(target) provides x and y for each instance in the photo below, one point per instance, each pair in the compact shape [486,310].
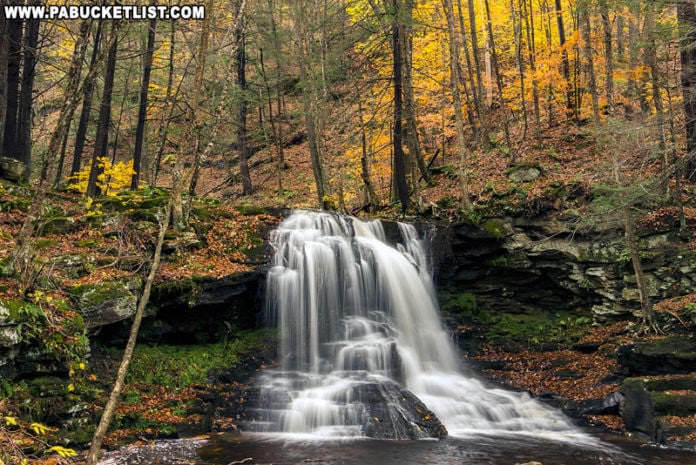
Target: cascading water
[363,351]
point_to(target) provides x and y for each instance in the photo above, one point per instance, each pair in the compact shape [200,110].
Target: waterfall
[363,351]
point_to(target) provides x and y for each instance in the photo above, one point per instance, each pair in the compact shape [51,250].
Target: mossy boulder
[12,169]
[650,406]
[74,265]
[10,335]
[105,303]
[135,200]
[637,409]
[674,354]
[59,225]
[181,242]
[527,172]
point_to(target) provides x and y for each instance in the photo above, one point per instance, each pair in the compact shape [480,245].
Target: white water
[353,311]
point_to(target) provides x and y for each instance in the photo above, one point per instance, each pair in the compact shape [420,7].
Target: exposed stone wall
[514,265]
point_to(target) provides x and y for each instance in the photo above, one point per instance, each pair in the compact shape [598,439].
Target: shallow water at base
[225,449]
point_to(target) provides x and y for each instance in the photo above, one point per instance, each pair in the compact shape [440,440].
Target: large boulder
[106,303]
[653,406]
[10,336]
[395,413]
[12,169]
[638,411]
[674,354]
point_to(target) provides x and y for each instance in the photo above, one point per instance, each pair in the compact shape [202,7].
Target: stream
[228,449]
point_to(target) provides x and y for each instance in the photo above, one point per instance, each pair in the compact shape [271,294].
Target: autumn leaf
[40,429]
[62,451]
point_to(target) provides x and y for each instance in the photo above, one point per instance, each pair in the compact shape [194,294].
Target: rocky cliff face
[185,312]
[524,266]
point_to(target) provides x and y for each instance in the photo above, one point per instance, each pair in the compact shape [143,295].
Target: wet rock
[608,405]
[637,410]
[675,354]
[651,405]
[394,413]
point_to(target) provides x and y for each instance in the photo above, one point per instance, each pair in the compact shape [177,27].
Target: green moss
[445,202]
[95,294]
[144,199]
[537,328]
[499,261]
[15,203]
[673,404]
[463,305]
[183,366]
[249,210]
[59,225]
[144,214]
[495,228]
[685,347]
[41,244]
[14,308]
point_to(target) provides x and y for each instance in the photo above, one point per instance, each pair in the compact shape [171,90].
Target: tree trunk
[242,105]
[475,47]
[26,97]
[311,91]
[167,111]
[499,84]
[528,15]
[608,55]
[202,156]
[687,23]
[565,62]
[517,36]
[475,95]
[112,403]
[412,141]
[14,41]
[586,32]
[365,173]
[397,67]
[455,79]
[178,180]
[102,137]
[635,40]
[651,62]
[142,107]
[275,129]
[4,50]
[551,96]
[81,134]
[61,157]
[634,251]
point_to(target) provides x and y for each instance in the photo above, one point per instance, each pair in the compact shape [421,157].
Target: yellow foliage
[40,429]
[62,451]
[114,178]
